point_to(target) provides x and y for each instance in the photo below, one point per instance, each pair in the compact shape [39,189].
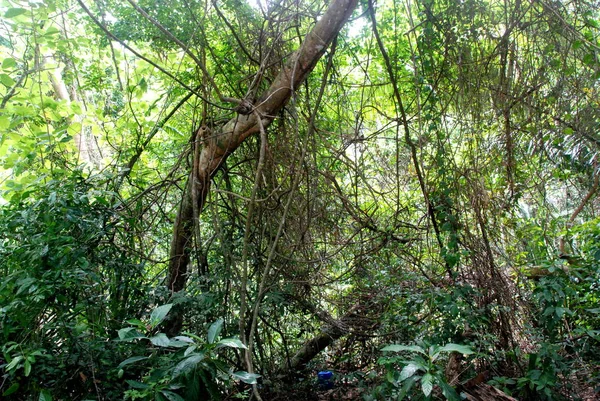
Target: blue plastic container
[325,379]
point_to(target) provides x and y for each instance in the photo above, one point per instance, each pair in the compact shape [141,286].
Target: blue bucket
[325,379]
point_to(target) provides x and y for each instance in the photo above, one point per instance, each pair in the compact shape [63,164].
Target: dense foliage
[419,217]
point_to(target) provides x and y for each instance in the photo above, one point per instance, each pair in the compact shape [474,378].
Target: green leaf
[427,384]
[399,348]
[131,360]
[51,31]
[187,364]
[45,396]
[171,396]
[461,349]
[13,364]
[214,330]
[248,378]
[136,322]
[11,390]
[4,122]
[409,370]
[231,343]
[27,368]
[129,333]
[160,340]
[407,386]
[137,385]
[159,314]
[6,80]
[448,391]
[14,12]
[184,339]
[8,63]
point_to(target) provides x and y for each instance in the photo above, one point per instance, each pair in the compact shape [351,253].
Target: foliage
[185,367]
[434,179]
[66,285]
[423,367]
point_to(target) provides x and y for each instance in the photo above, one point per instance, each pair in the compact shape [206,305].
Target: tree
[423,174]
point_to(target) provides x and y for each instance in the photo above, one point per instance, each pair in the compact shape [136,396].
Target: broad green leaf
[159,314]
[214,330]
[45,396]
[231,343]
[189,350]
[129,333]
[51,31]
[8,63]
[131,360]
[187,364]
[27,368]
[6,80]
[399,348]
[160,340]
[136,322]
[448,391]
[74,128]
[461,349]
[171,396]
[407,386]
[14,12]
[184,339]
[409,370]
[4,122]
[248,378]
[11,390]
[177,344]
[137,385]
[427,384]
[13,364]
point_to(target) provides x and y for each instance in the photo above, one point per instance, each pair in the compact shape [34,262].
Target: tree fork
[217,147]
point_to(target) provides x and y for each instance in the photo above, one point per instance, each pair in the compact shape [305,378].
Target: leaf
[231,343]
[131,360]
[461,349]
[51,31]
[409,370]
[187,364]
[448,391]
[407,386]
[171,396]
[214,330]
[136,322]
[14,12]
[12,389]
[160,340]
[4,122]
[427,384]
[189,350]
[13,364]
[6,80]
[248,378]
[27,368]
[184,339]
[159,314]
[8,63]
[399,348]
[137,385]
[45,396]
[129,333]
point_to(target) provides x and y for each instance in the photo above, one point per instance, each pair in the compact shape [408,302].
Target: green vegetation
[218,199]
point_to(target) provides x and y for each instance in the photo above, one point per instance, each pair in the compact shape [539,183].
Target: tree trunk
[216,147]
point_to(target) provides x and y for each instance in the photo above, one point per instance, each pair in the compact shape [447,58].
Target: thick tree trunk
[217,146]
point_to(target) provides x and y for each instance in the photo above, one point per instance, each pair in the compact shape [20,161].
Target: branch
[186,49]
[146,59]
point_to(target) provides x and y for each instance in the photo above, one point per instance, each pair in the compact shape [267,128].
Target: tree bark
[216,147]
